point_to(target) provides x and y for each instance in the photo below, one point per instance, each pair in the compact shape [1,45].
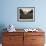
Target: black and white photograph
[26,14]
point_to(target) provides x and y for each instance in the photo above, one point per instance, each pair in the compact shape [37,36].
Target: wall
[9,13]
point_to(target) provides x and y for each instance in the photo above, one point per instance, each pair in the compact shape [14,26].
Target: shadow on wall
[2,26]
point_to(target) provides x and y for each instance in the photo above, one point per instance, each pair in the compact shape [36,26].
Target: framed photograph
[26,14]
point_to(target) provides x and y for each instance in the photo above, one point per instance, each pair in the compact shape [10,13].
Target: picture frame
[26,14]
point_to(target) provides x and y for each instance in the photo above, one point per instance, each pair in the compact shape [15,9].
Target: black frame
[22,19]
